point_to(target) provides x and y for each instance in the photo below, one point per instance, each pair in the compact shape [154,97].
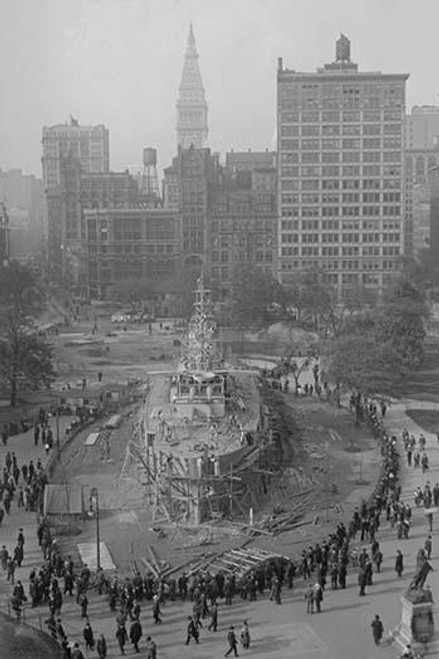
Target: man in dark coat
[192,631]
[233,643]
[101,647]
[121,635]
[88,635]
[135,634]
[399,563]
[377,629]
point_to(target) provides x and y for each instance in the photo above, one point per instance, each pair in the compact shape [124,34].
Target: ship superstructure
[201,429]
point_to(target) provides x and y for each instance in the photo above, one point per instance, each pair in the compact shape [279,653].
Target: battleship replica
[203,431]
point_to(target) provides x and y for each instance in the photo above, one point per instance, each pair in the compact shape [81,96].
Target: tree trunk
[13,392]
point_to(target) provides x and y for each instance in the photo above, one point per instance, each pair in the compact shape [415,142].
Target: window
[330,156]
[310,157]
[330,170]
[330,117]
[310,117]
[310,144]
[351,143]
[330,130]
[371,116]
[351,116]
[310,131]
[371,143]
[351,129]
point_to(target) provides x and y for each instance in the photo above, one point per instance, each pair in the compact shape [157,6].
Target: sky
[119,63]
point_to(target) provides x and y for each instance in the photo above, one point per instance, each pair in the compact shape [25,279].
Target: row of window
[345,264]
[365,237]
[332,171]
[311,157]
[346,211]
[226,257]
[335,116]
[349,144]
[332,130]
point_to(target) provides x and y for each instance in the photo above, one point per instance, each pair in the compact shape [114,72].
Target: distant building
[187,187]
[78,191]
[4,235]
[340,172]
[23,195]
[135,243]
[89,147]
[192,127]
[422,127]
[242,224]
[417,165]
[89,144]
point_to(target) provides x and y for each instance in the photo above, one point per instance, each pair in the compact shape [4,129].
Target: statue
[418,581]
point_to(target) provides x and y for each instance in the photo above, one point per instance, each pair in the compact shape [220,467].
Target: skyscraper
[89,147]
[89,144]
[191,105]
[340,173]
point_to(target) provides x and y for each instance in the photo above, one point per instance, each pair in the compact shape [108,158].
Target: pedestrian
[245,635]
[88,635]
[156,610]
[135,634]
[362,581]
[213,612]
[399,563]
[151,648]
[192,631]
[318,596]
[231,640]
[36,434]
[309,598]
[428,546]
[101,647]
[377,629]
[83,603]
[76,652]
[121,635]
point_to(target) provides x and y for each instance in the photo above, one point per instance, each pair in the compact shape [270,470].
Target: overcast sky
[119,62]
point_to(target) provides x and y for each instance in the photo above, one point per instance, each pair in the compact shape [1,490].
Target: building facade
[422,127]
[141,244]
[89,144]
[417,164]
[243,218]
[192,127]
[83,148]
[340,173]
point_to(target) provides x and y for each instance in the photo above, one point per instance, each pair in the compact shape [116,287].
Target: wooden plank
[149,566]
[154,558]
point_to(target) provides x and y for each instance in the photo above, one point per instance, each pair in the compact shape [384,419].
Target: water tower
[150,181]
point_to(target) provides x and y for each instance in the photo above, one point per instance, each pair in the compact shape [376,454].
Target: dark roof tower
[191,105]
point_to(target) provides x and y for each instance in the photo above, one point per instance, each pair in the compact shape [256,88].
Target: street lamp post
[94,497]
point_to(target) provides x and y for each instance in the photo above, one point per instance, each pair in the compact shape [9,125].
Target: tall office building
[89,144]
[89,147]
[340,173]
[191,105]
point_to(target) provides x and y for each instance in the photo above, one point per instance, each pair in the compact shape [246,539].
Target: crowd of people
[323,566]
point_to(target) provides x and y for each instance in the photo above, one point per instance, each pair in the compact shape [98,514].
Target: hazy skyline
[119,63]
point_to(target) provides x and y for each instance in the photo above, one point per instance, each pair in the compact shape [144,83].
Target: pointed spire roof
[191,105]
[191,76]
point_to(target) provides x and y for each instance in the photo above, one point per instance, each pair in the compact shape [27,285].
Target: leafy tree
[311,298]
[254,296]
[360,364]
[400,320]
[25,357]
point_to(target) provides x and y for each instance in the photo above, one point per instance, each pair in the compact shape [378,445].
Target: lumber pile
[280,521]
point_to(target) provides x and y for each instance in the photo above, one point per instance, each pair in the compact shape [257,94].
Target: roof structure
[192,127]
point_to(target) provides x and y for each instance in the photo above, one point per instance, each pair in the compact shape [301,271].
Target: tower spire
[191,105]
